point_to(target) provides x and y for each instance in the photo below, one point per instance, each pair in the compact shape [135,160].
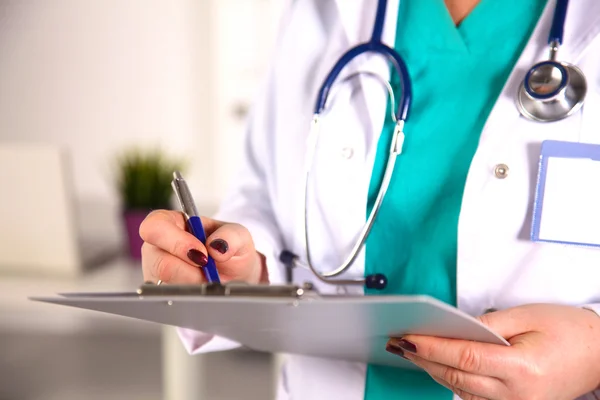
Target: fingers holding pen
[158,264]
[229,245]
[166,230]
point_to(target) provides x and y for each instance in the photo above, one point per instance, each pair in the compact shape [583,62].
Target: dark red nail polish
[394,349]
[197,257]
[406,345]
[220,245]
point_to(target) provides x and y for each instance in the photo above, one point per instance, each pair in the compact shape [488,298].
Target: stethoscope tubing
[375,46]
[557,28]
[403,105]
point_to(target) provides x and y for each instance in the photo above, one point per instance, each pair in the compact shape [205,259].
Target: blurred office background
[81,82]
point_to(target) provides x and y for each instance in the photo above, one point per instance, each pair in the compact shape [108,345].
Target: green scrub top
[457,74]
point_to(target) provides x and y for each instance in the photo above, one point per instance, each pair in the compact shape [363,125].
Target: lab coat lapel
[582,27]
[356,17]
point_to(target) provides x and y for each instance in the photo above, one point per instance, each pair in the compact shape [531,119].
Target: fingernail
[197,257]
[405,345]
[220,245]
[394,349]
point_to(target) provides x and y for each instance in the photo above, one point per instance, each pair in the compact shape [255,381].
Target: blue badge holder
[560,149]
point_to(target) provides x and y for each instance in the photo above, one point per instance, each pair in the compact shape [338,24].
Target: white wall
[242,36]
[96,75]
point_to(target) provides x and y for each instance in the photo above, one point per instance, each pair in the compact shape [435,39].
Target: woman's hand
[173,255]
[554,354]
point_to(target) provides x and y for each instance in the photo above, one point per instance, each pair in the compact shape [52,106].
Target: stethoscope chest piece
[551,91]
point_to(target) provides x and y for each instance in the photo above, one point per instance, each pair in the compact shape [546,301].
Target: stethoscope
[550,91]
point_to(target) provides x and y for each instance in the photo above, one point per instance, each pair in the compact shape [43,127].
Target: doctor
[456,220]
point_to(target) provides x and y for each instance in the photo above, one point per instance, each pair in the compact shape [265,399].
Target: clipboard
[289,318]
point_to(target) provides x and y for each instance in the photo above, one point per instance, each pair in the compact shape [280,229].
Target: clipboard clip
[230,289]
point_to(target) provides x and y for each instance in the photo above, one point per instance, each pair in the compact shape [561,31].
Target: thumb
[507,323]
[232,248]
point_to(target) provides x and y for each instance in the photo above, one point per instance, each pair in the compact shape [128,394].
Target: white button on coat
[501,171]
[347,152]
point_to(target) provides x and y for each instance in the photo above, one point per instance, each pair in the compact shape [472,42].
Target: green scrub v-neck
[457,74]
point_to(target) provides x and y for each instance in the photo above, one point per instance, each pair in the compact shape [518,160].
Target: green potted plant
[144,184]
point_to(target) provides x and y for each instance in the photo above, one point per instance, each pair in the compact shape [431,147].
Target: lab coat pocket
[583,271]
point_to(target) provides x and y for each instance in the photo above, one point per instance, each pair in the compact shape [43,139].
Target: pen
[194,223]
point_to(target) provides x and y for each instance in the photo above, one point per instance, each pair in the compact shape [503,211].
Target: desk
[183,377]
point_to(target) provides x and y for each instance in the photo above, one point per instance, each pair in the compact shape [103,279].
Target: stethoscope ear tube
[374,45]
[391,55]
[375,281]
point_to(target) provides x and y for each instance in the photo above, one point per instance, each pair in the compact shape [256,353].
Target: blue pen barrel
[210,269]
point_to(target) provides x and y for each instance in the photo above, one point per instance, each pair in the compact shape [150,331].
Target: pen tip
[177,175]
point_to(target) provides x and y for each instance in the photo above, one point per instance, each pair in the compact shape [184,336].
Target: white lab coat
[498,266]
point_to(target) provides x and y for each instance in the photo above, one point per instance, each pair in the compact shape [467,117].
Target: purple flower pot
[132,220]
